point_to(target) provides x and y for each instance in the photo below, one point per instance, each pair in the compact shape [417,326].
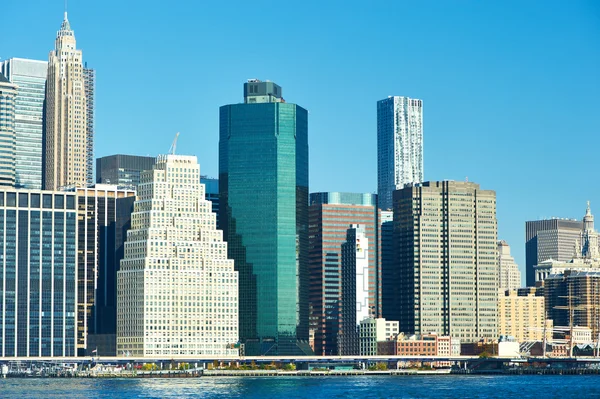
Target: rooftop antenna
[66,7]
[173,145]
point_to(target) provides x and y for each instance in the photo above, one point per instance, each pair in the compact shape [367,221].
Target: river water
[363,387]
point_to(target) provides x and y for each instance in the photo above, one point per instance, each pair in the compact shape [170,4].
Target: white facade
[177,291]
[510,276]
[375,330]
[399,146]
[361,247]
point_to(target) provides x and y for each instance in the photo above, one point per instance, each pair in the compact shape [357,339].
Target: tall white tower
[66,161]
[510,276]
[177,293]
[399,146]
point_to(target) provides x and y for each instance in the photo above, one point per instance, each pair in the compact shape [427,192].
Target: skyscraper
[263,190]
[8,94]
[37,273]
[66,128]
[89,81]
[177,292]
[510,276]
[330,216]
[354,298]
[30,77]
[399,146]
[447,260]
[211,186]
[549,239]
[122,170]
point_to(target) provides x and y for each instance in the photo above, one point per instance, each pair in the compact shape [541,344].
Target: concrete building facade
[521,314]
[510,276]
[399,146]
[446,254]
[177,292]
[37,273]
[374,330]
[8,95]
[66,129]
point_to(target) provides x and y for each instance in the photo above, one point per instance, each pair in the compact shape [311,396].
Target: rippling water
[363,387]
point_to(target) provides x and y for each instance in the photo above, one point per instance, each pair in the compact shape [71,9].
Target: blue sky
[510,88]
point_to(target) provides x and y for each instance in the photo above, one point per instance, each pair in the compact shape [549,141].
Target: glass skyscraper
[30,77]
[399,146]
[263,190]
[37,273]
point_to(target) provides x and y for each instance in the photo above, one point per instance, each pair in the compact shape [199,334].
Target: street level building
[521,314]
[66,127]
[177,292]
[446,243]
[8,95]
[121,170]
[399,146]
[330,216]
[372,331]
[510,276]
[263,194]
[38,270]
[30,77]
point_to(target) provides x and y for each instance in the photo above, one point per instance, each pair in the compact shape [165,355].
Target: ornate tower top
[588,219]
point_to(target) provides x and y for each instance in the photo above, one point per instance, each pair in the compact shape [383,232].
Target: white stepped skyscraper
[177,293]
[399,146]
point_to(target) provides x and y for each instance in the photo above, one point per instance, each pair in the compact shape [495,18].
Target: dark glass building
[263,190]
[211,190]
[104,217]
[37,273]
[122,170]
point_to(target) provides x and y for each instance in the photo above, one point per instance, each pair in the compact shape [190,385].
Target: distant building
[579,291]
[372,331]
[446,254]
[389,271]
[417,345]
[89,81]
[38,273]
[521,314]
[30,77]
[66,129]
[263,194]
[399,146]
[510,276]
[211,188]
[122,170]
[549,239]
[104,213]
[177,292]
[354,298]
[8,95]
[330,216]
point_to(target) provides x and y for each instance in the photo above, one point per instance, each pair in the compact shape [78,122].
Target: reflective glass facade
[8,92]
[37,273]
[122,170]
[30,77]
[263,189]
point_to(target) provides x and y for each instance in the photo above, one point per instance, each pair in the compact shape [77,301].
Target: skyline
[462,64]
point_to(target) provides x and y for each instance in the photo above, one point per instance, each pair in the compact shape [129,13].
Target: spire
[65,26]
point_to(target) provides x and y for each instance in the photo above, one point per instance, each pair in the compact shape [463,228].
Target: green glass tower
[263,189]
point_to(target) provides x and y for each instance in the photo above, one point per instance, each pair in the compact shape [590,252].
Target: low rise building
[373,331]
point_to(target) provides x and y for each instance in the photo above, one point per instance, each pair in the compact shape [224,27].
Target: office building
[211,187]
[389,273]
[37,273]
[549,239]
[8,94]
[330,216]
[354,294]
[576,293]
[30,77]
[263,194]
[89,81]
[399,146]
[418,345]
[521,314]
[122,170]
[66,127]
[104,213]
[510,276]
[173,243]
[372,331]
[446,238]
